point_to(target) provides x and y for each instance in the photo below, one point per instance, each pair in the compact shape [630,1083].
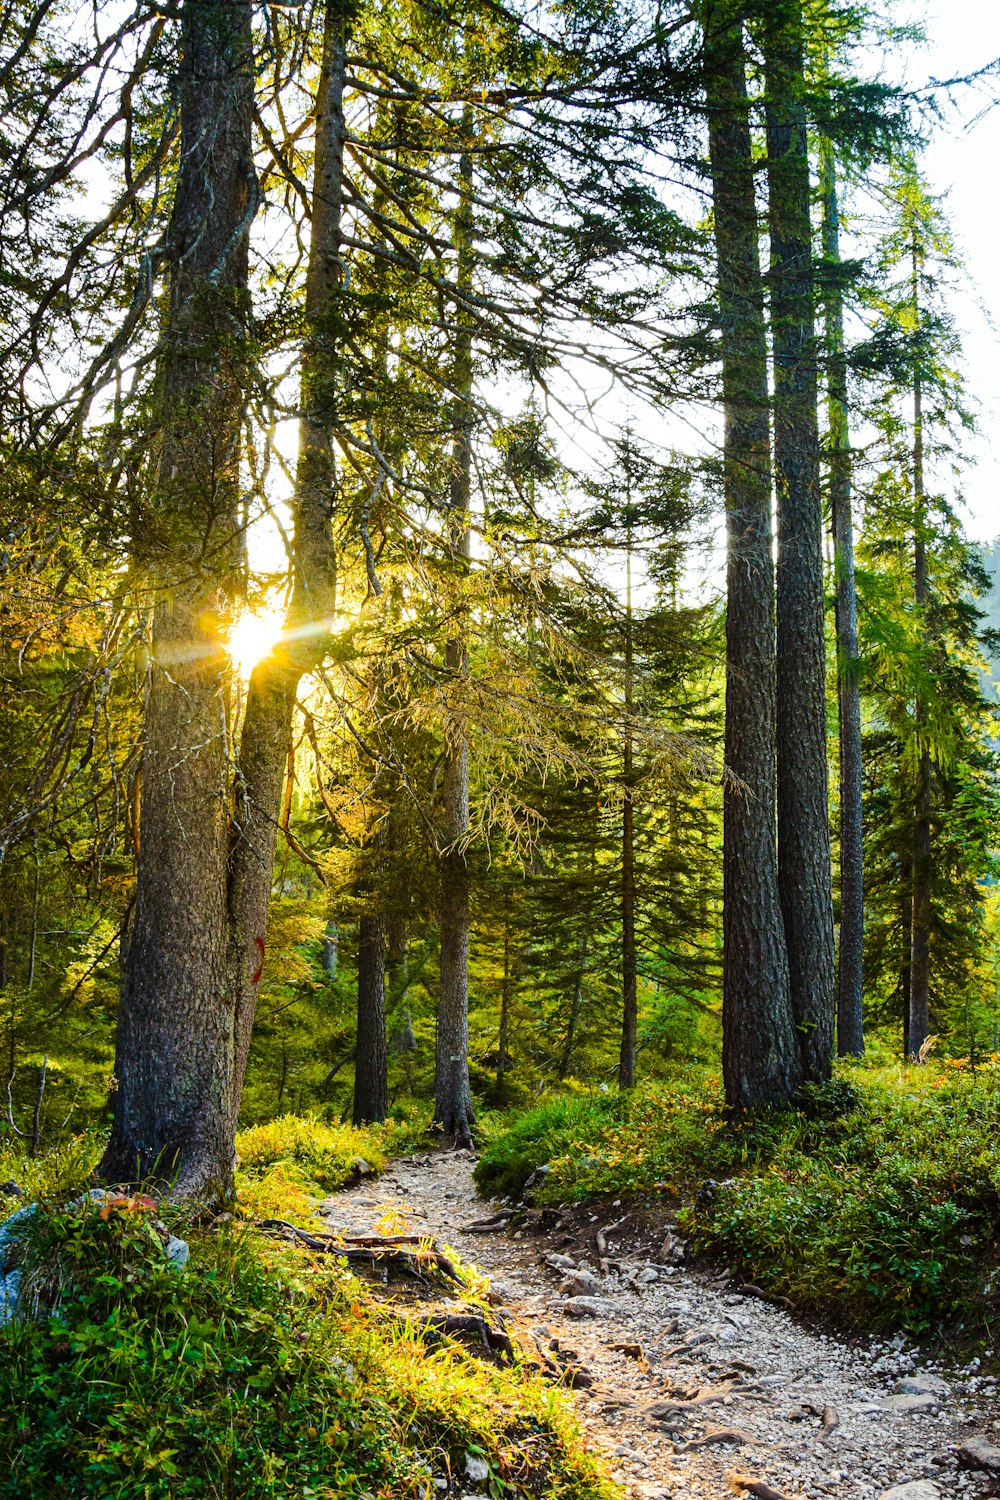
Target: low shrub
[877,1198]
[250,1373]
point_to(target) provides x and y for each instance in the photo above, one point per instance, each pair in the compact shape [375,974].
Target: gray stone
[921,1385]
[979,1453]
[917,1489]
[588,1307]
[580,1284]
[912,1405]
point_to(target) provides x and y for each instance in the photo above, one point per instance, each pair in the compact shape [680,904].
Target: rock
[580,1284]
[921,1385]
[560,1262]
[979,1453]
[361,1168]
[10,1189]
[476,1469]
[672,1250]
[917,1489]
[588,1307]
[912,1405]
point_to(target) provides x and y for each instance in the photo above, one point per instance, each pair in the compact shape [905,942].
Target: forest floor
[690,1388]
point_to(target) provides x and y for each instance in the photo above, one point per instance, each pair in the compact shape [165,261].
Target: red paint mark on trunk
[258,943]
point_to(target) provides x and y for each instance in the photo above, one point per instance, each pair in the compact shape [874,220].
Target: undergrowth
[289,1162]
[878,1199]
[251,1373]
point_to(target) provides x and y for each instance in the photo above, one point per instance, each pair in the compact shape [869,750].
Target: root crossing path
[693,1390]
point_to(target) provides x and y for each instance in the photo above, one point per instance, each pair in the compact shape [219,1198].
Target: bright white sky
[964,162]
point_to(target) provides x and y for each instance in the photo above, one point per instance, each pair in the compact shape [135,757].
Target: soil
[692,1387]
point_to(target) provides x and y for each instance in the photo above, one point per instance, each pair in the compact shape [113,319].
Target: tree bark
[453,1113]
[371,1080]
[174,1047]
[630,991]
[804,872]
[850,1016]
[760,1056]
[273,688]
[918,1028]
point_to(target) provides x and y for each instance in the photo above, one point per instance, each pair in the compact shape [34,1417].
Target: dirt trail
[686,1385]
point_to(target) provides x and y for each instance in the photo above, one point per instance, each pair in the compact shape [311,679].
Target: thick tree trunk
[850,1018]
[803,791]
[371,1079]
[174,1048]
[271,697]
[760,1056]
[574,1012]
[918,1028]
[453,1113]
[630,989]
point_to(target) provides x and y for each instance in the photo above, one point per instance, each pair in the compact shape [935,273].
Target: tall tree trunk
[918,1029]
[331,944]
[574,1011]
[630,993]
[803,793]
[371,1083]
[850,1019]
[453,1113]
[271,696]
[760,1056]
[174,1048]
[506,985]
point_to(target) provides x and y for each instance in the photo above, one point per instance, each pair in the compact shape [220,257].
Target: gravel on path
[693,1391]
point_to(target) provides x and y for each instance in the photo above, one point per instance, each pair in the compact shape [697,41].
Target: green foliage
[250,1373]
[877,1200]
[288,1162]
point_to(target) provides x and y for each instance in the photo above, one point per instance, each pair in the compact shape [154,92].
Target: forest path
[805,1413]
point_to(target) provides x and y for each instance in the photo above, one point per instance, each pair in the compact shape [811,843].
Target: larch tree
[850,1016]
[760,1054]
[803,796]
[174,1056]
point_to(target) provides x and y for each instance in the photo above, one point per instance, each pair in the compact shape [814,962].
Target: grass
[878,1200]
[254,1372]
[289,1162]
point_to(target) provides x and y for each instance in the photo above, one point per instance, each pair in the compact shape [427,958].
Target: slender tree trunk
[371,1082]
[630,993]
[503,1039]
[453,1113]
[271,696]
[918,1029]
[331,943]
[803,792]
[574,1011]
[760,1056]
[174,1048]
[850,1020]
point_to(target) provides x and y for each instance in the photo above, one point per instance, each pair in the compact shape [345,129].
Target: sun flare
[252,637]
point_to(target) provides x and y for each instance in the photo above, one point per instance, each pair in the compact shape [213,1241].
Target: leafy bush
[877,1198]
[288,1162]
[250,1373]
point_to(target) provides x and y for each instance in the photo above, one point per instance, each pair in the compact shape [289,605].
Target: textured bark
[918,1028]
[803,790]
[371,1078]
[331,943]
[760,1056]
[271,696]
[574,1012]
[174,1048]
[630,991]
[850,1017]
[453,1113]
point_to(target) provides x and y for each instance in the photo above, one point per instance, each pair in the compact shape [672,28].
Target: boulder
[979,1453]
